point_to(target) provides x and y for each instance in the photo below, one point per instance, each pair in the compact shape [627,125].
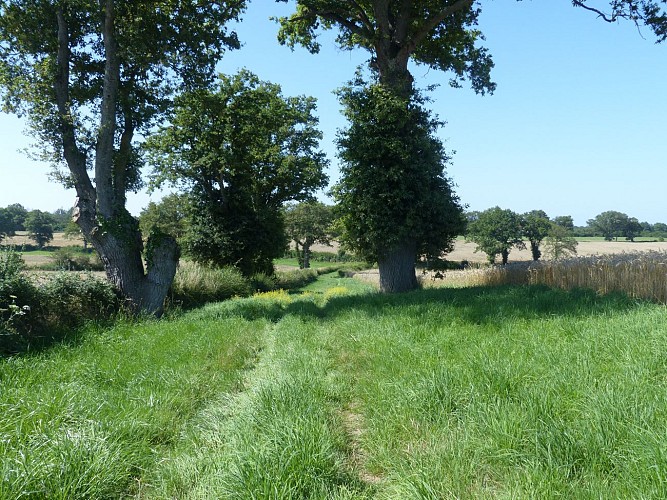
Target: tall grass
[88,418]
[641,275]
[338,393]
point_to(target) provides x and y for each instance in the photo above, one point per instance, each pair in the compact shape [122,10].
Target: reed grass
[641,275]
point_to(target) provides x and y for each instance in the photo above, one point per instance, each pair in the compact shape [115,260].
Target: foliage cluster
[496,231]
[49,306]
[391,139]
[269,156]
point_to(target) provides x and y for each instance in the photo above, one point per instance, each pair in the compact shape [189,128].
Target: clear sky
[575,127]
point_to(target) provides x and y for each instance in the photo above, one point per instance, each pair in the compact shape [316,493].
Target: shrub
[17,293]
[261,282]
[76,259]
[72,299]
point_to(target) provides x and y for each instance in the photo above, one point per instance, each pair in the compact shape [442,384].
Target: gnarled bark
[397,268]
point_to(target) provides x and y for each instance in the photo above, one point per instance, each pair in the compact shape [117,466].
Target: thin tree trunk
[397,269]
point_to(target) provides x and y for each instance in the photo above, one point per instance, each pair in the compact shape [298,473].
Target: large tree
[243,150]
[384,218]
[40,227]
[495,232]
[440,34]
[610,224]
[92,77]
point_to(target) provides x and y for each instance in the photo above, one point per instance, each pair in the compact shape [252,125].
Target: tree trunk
[535,250]
[397,269]
[306,256]
[145,291]
[505,255]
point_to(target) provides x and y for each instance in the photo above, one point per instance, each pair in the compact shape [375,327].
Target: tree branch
[76,160]
[601,14]
[433,22]
[105,138]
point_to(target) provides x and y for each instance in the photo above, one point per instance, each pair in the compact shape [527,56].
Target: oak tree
[92,78]
[306,224]
[40,227]
[439,34]
[536,226]
[243,150]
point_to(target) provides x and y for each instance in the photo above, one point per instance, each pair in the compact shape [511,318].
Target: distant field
[466,251]
[462,249]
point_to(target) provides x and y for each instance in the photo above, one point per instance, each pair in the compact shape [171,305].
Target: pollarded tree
[385,219]
[243,150]
[93,76]
[40,227]
[308,223]
[495,232]
[536,226]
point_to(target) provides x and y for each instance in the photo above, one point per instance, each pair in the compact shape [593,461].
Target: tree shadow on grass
[475,305]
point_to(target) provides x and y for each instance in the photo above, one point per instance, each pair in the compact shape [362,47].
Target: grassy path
[337,393]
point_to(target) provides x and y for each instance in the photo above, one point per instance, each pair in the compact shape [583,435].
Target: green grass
[314,264]
[507,392]
[88,418]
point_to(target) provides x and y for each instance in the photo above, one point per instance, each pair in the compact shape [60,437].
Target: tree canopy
[91,77]
[40,227]
[243,150]
[495,232]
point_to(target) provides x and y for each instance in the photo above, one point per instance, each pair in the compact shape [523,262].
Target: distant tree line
[496,231]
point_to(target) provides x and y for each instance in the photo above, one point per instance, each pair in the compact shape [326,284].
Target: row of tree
[95,78]
[496,231]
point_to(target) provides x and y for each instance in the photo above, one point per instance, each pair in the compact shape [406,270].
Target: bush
[76,259]
[196,284]
[72,299]
[37,313]
[263,282]
[17,293]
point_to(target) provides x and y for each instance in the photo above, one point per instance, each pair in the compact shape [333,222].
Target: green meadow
[339,392]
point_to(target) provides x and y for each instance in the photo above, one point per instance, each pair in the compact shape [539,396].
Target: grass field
[340,392]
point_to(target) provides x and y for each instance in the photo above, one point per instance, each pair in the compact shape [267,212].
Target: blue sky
[575,127]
